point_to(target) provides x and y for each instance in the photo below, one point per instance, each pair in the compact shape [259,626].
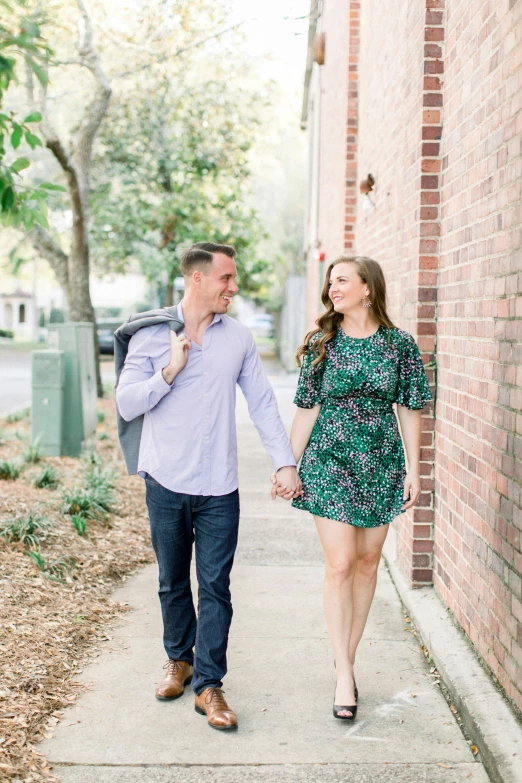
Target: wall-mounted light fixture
[319,48]
[366,185]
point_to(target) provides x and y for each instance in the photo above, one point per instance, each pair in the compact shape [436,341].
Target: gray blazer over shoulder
[129,432]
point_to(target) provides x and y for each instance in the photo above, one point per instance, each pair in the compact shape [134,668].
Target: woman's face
[346,288]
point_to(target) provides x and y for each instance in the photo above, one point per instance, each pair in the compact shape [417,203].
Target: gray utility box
[79,417]
[48,372]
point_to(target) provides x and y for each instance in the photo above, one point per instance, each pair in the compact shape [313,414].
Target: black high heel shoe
[356,692]
[337,708]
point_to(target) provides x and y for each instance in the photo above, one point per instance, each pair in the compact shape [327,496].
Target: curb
[485,714]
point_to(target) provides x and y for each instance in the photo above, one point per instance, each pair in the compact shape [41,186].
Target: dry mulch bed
[55,609]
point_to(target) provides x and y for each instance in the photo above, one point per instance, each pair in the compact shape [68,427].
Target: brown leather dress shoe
[179,673]
[211,703]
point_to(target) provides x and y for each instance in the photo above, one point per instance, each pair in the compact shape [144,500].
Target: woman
[355,365]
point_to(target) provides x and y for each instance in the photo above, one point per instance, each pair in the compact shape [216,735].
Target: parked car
[106,329]
[262,325]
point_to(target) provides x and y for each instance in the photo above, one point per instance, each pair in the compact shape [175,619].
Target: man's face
[217,286]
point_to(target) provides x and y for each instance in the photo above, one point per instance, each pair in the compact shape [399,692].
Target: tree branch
[47,248]
[186,48]
[97,109]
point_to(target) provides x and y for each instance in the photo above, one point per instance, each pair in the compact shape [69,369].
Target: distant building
[18,314]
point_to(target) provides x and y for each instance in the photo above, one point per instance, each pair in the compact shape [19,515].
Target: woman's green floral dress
[353,467]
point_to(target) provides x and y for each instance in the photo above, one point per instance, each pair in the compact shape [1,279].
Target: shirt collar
[217,316]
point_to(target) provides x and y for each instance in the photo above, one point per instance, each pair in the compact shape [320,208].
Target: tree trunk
[169,294]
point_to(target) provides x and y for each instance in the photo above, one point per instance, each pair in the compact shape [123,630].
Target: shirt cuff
[159,385]
[284,460]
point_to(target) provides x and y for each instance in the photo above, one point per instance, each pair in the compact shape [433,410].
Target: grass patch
[57,569]
[79,524]
[29,530]
[101,417]
[32,453]
[47,479]
[9,471]
[96,500]
[18,416]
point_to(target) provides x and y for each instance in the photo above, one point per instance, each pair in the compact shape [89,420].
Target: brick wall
[399,129]
[438,123]
[479,423]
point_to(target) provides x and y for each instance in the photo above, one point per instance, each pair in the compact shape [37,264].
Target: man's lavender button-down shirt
[188,442]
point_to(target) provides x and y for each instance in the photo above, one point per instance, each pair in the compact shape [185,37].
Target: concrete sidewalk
[280,681]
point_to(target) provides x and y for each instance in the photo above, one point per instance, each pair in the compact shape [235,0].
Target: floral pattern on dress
[353,468]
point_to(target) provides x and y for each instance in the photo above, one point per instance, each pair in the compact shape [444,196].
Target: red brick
[432,50]
[434,34]
[432,99]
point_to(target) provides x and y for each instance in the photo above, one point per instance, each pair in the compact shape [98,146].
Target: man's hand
[180,345]
[286,484]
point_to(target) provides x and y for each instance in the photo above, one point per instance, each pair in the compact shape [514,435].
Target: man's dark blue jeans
[176,521]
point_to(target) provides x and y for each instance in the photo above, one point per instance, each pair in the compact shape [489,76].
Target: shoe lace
[215,697]
[172,668]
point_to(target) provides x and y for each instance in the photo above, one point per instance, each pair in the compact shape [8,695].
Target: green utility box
[48,374]
[79,418]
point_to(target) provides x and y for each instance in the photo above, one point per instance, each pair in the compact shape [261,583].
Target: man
[186,386]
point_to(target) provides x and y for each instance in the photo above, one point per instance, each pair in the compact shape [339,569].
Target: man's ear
[196,277]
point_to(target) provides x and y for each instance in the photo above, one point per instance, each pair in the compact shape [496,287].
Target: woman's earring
[367,304]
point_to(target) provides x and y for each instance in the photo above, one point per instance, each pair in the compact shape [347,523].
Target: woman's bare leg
[339,542]
[370,542]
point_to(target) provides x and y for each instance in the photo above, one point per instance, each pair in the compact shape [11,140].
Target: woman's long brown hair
[370,273]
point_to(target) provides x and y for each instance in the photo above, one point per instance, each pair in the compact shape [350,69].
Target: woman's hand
[282,490]
[412,490]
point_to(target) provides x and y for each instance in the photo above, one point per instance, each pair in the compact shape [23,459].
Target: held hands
[286,484]
[180,345]
[412,490]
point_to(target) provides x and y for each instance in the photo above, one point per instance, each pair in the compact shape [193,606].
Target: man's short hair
[199,256]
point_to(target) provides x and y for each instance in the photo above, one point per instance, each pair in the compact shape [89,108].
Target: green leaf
[39,72]
[41,219]
[52,186]
[30,28]
[35,116]
[32,140]
[16,136]
[8,199]
[20,164]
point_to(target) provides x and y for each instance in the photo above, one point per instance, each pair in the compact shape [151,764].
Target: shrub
[9,471]
[29,530]
[47,479]
[101,417]
[7,333]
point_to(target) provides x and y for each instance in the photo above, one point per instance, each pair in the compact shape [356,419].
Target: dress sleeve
[308,391]
[413,390]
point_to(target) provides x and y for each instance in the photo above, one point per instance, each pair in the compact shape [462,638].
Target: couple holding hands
[352,477]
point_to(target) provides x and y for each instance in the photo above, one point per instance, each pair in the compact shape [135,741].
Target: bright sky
[278,32]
